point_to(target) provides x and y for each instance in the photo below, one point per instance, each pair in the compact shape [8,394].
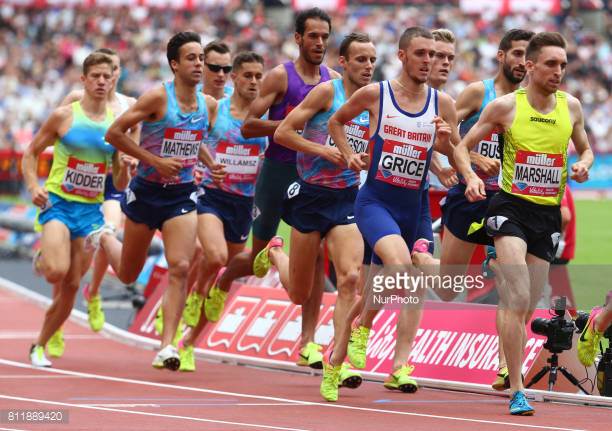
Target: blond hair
[443,35]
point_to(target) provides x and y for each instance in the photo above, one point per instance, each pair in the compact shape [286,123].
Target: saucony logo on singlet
[551,121]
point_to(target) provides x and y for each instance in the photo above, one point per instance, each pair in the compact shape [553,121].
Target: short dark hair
[515,34]
[540,40]
[217,46]
[246,57]
[178,40]
[314,13]
[412,33]
[107,51]
[348,40]
[94,59]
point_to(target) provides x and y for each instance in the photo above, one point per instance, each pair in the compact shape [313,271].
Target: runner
[320,204]
[163,194]
[70,200]
[224,209]
[524,217]
[282,89]
[218,62]
[409,117]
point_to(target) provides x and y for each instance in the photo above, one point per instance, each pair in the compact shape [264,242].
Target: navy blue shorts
[233,210]
[458,214]
[311,208]
[110,192]
[367,253]
[150,203]
[377,219]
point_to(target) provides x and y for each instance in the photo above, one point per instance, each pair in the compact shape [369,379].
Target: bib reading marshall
[534,163]
[81,158]
[176,135]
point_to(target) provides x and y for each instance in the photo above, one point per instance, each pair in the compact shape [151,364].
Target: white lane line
[277,399]
[178,404]
[10,429]
[20,335]
[35,376]
[159,415]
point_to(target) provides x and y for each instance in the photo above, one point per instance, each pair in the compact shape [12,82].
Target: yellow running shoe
[96,313]
[311,356]
[349,378]
[330,382]
[400,380]
[589,339]
[502,380]
[214,304]
[261,264]
[56,345]
[187,357]
[193,309]
[357,346]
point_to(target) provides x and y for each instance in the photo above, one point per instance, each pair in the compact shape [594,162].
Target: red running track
[105,385]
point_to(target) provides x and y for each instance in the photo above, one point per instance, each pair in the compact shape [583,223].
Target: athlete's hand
[217,171]
[168,167]
[448,177]
[333,154]
[487,165]
[359,162]
[40,196]
[443,130]
[475,189]
[580,172]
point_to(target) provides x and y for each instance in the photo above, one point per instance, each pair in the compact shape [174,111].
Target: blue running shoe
[519,405]
[487,272]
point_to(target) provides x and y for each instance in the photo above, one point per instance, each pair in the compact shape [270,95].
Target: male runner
[224,209]
[71,198]
[218,62]
[163,193]
[282,90]
[524,217]
[320,204]
[407,118]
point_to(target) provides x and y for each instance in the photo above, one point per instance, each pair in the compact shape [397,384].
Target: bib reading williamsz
[534,162]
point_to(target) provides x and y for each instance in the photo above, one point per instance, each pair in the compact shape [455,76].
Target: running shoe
[400,380]
[56,345]
[214,304]
[193,309]
[421,245]
[357,346]
[487,271]
[36,269]
[330,382]
[349,378]
[95,313]
[37,356]
[311,356]
[187,358]
[502,380]
[92,241]
[589,339]
[168,357]
[519,405]
[261,264]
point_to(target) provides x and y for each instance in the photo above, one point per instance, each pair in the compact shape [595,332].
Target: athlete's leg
[242,264]
[179,246]
[54,261]
[214,250]
[346,247]
[454,259]
[112,215]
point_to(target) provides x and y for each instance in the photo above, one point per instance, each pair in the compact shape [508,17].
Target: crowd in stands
[41,51]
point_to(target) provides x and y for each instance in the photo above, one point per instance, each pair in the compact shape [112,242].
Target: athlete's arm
[580,169]
[212,107]
[498,113]
[446,130]
[121,170]
[151,106]
[319,99]
[333,74]
[71,97]
[44,138]
[446,175]
[366,98]
[217,170]
[273,89]
[134,132]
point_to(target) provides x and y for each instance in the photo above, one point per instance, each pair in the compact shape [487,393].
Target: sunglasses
[215,68]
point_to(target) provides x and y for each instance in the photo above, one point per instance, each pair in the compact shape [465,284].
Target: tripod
[552,377]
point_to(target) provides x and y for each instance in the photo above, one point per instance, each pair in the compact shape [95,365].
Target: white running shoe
[37,356]
[92,241]
[168,357]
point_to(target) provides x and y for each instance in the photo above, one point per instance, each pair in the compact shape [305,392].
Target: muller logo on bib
[537,174]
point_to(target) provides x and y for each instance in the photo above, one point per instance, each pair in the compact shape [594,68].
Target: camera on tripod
[557,330]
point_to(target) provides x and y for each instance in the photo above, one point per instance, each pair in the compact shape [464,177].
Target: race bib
[241,161]
[84,178]
[182,144]
[356,136]
[537,174]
